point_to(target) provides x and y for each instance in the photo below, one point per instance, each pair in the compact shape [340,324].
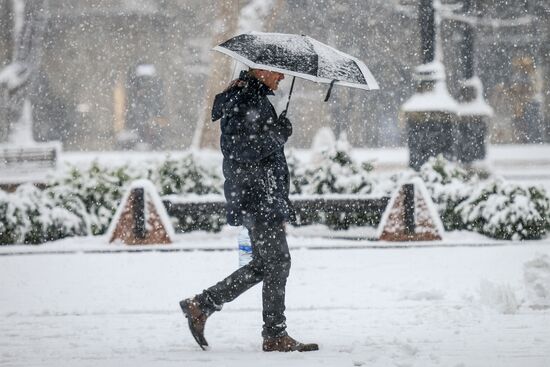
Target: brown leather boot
[196,319]
[287,344]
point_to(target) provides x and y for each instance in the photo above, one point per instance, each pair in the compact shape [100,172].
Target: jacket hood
[245,84]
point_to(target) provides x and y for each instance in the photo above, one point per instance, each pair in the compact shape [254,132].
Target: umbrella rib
[254,65]
[369,78]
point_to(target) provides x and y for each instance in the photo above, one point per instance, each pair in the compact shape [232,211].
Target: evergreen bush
[187,176]
[496,208]
[507,211]
[99,188]
[335,172]
[448,185]
[33,216]
[200,222]
[82,201]
[332,171]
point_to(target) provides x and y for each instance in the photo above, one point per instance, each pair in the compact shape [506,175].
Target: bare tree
[17,78]
[226,23]
[256,15]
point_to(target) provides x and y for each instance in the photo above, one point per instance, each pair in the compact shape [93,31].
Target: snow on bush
[536,274]
[187,176]
[448,185]
[337,173]
[100,189]
[496,208]
[33,216]
[333,171]
[83,200]
[504,210]
[297,169]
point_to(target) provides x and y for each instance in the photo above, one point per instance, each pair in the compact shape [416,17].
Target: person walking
[256,189]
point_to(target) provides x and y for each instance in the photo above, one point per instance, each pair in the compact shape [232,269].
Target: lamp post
[473,111]
[430,113]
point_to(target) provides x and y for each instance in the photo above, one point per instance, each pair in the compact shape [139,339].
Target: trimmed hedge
[83,201]
[493,207]
[33,216]
[507,211]
[448,185]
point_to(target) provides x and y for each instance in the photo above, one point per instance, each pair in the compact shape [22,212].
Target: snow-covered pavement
[436,306]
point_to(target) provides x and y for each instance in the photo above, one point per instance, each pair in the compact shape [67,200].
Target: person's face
[270,78]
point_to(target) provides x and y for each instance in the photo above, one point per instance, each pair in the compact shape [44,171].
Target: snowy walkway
[455,306]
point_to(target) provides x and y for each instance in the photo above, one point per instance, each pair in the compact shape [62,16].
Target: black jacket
[252,138]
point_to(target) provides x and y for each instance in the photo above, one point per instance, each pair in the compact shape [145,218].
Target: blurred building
[512,59]
[86,98]
[92,46]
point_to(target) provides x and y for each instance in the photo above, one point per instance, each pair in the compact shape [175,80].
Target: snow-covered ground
[452,304]
[464,301]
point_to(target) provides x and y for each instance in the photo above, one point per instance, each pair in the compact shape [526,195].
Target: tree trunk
[207,134]
[17,83]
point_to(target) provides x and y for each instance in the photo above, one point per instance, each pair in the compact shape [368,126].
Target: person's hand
[284,124]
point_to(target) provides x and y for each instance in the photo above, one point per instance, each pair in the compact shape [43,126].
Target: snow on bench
[27,163]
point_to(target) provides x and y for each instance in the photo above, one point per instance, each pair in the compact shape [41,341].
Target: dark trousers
[270,264]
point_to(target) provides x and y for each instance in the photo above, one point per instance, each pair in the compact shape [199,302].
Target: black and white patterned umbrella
[299,56]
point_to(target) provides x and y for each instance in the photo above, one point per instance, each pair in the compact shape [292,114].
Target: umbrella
[300,56]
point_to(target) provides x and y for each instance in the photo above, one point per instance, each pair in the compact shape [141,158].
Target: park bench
[27,163]
[197,210]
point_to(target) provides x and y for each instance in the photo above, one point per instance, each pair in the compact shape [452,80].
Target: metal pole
[467,45]
[427,30]
[289,95]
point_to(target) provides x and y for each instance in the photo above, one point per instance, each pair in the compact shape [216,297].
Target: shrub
[333,171]
[99,188]
[187,176]
[448,185]
[82,201]
[33,216]
[507,211]
[298,176]
[200,222]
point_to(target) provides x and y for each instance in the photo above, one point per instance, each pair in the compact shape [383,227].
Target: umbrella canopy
[300,56]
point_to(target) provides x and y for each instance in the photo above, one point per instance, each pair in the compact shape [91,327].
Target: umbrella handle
[289,95]
[330,89]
